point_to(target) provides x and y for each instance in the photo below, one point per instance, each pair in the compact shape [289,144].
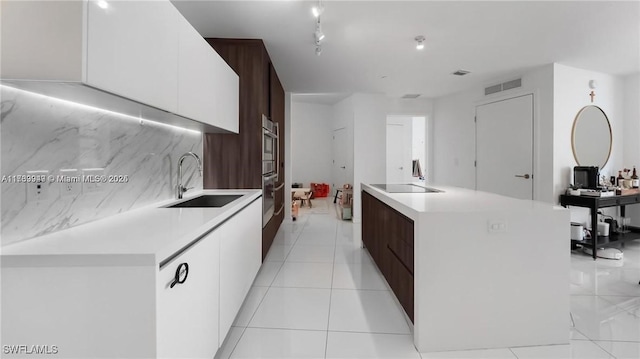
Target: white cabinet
[240,260]
[143,52]
[110,310]
[131,51]
[208,88]
[187,292]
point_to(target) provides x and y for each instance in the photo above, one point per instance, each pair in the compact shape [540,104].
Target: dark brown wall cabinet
[235,160]
[388,236]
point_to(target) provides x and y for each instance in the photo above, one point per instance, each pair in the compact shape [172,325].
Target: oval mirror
[591,137]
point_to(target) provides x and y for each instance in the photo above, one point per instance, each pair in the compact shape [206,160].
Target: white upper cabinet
[144,51]
[208,88]
[132,51]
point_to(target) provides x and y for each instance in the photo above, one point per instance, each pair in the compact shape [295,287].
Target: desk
[594,203]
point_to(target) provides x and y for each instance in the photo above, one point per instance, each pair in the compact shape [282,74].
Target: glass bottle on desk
[635,181]
[619,179]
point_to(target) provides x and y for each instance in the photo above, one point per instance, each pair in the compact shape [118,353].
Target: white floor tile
[286,237]
[368,345]
[293,308]
[304,275]
[311,254]
[282,344]
[319,238]
[357,276]
[229,343]
[251,303]
[578,349]
[574,334]
[366,311]
[630,304]
[598,319]
[471,354]
[345,254]
[277,253]
[267,273]
[621,350]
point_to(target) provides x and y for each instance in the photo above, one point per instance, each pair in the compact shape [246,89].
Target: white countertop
[144,236]
[452,199]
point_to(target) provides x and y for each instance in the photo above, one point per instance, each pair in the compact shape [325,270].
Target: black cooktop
[405,188]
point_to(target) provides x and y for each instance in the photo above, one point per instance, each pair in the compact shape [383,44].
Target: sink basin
[211,200]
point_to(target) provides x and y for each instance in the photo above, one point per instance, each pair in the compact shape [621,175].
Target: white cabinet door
[131,51]
[208,89]
[188,312]
[240,259]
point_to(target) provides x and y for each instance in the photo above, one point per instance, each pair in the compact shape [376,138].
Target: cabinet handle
[179,278]
[279,211]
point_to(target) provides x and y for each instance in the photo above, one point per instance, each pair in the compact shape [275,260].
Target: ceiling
[370,47]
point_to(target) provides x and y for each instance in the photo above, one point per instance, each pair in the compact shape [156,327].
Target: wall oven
[270,161]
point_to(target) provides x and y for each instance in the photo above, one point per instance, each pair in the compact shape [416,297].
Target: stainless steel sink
[210,200]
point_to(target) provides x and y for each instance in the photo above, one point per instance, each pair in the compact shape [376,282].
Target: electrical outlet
[92,180]
[37,186]
[69,183]
[497,226]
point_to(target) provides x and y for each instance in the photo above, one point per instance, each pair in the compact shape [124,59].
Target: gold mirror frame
[573,137]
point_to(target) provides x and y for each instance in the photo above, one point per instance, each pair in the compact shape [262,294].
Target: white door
[340,154]
[399,160]
[504,147]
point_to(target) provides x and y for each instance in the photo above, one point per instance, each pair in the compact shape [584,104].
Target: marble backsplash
[44,134]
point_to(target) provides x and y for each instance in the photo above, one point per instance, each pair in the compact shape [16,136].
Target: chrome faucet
[180,189]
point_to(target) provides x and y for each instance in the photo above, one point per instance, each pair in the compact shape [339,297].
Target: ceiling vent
[411,95]
[503,87]
[461,72]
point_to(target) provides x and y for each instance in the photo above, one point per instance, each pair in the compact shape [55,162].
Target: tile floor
[318,295]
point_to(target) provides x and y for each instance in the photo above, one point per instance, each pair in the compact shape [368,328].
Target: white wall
[571,93]
[454,131]
[631,137]
[311,141]
[370,112]
[343,115]
[287,155]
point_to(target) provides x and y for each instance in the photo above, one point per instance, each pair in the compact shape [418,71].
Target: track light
[420,42]
[318,50]
[319,34]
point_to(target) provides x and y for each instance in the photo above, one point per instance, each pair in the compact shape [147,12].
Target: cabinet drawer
[187,302]
[401,282]
[403,252]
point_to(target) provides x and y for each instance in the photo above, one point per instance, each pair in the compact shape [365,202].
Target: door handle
[525,176]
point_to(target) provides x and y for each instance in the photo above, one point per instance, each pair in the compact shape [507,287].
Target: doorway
[504,147]
[340,159]
[406,149]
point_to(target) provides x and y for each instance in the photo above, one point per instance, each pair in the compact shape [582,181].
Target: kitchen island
[472,269]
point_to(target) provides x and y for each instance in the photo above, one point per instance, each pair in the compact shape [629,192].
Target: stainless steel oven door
[268,197]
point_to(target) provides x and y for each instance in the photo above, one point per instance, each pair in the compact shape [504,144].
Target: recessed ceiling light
[103,4]
[420,42]
[461,72]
